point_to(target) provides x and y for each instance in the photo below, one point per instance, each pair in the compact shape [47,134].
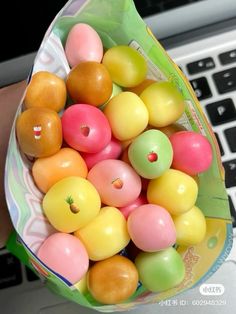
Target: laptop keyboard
[213,78]
[150,7]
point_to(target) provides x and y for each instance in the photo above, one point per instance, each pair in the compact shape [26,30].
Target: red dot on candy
[152,157]
[85,130]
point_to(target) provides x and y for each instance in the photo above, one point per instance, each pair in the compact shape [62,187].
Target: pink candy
[192,152]
[66,255]
[151,228]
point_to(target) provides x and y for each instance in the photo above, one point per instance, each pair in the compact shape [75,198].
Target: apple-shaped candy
[71,203]
[65,255]
[85,128]
[192,152]
[151,228]
[150,154]
[160,271]
[105,235]
[116,182]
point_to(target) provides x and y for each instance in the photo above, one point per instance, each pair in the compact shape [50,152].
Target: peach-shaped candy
[116,182]
[151,228]
[83,44]
[65,255]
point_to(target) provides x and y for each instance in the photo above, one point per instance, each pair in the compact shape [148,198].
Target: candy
[190,227]
[65,255]
[112,280]
[150,154]
[116,182]
[71,203]
[151,228]
[85,128]
[39,132]
[174,190]
[105,235]
[192,152]
[118,58]
[161,270]
[164,102]
[83,44]
[111,151]
[127,115]
[127,210]
[89,83]
[47,90]
[49,170]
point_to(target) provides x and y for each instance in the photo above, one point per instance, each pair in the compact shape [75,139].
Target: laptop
[200,36]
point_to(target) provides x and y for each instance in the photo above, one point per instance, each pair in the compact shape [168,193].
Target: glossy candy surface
[89,83]
[85,128]
[111,151]
[116,182]
[83,44]
[47,90]
[151,228]
[174,190]
[190,227]
[71,203]
[49,170]
[164,102]
[160,271]
[150,154]
[112,280]
[39,132]
[65,255]
[192,152]
[105,235]
[127,115]
[126,66]
[128,209]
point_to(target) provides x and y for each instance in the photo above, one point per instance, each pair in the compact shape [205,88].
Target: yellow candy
[105,235]
[127,115]
[190,227]
[174,190]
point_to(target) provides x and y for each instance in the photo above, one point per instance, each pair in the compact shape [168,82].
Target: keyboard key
[220,145]
[228,57]
[230,173]
[200,65]
[225,80]
[231,138]
[221,111]
[201,88]
[31,276]
[232,211]
[10,271]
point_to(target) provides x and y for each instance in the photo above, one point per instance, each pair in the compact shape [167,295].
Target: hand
[10,98]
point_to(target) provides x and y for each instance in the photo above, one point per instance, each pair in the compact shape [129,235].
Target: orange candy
[49,170]
[46,90]
[39,132]
[112,280]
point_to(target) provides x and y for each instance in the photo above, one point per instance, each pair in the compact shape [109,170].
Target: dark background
[24,23]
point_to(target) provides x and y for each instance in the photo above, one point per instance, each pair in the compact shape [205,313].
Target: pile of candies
[119,175]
